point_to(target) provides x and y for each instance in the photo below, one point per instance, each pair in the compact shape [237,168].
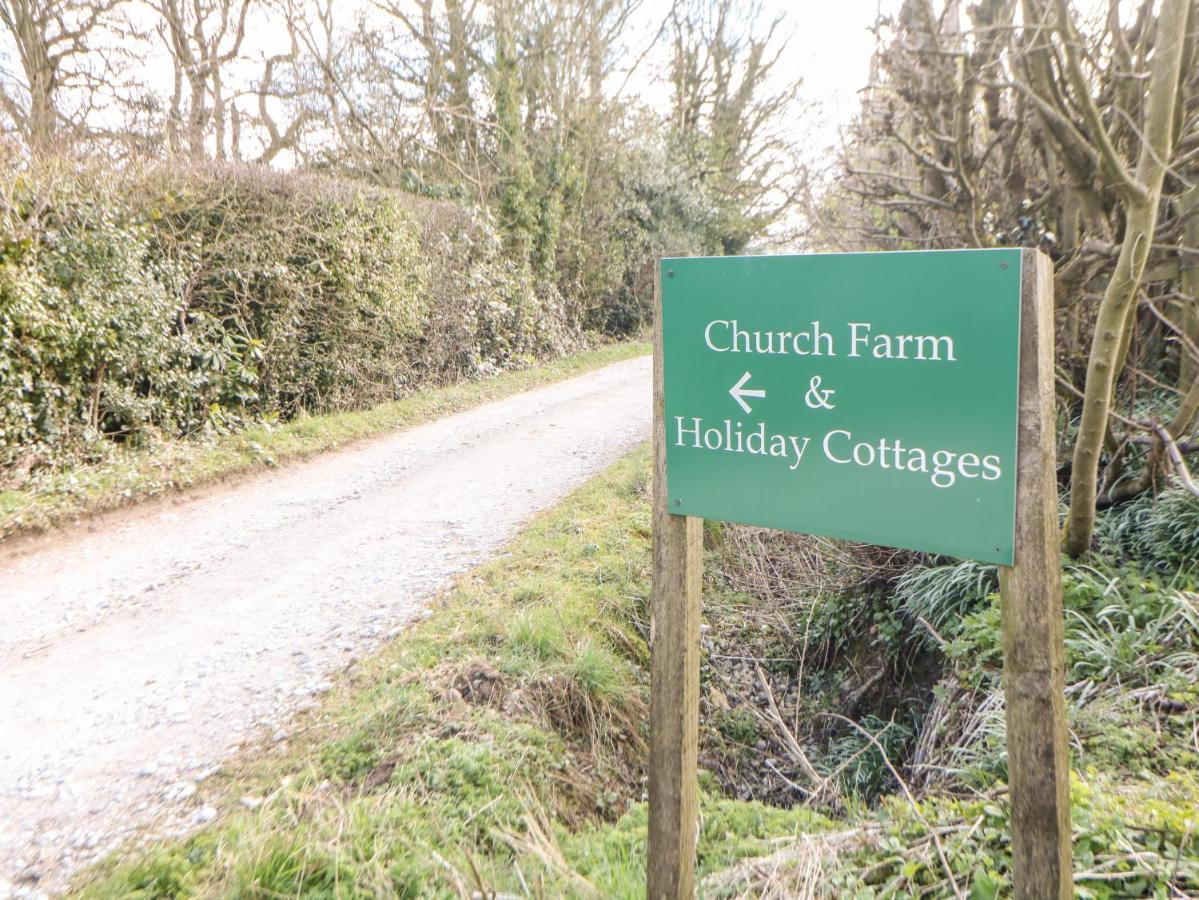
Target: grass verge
[129,476]
[498,746]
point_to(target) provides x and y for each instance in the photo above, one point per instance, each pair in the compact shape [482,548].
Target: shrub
[943,595]
[169,301]
[483,311]
[312,286]
[1169,533]
[87,340]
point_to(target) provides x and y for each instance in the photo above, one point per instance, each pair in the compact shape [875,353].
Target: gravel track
[140,650]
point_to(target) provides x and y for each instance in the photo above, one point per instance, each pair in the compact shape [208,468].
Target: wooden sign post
[674,671]
[1031,596]
[896,398]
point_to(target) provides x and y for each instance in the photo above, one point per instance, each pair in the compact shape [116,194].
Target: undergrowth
[852,740]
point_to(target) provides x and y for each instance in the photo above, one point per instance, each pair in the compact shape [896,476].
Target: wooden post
[674,671]
[1031,594]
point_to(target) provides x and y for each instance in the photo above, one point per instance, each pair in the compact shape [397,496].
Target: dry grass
[784,566]
[796,871]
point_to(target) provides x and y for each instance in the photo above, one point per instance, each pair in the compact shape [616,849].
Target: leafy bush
[1169,536]
[312,286]
[87,340]
[1130,639]
[644,203]
[943,595]
[171,301]
[1129,631]
[483,311]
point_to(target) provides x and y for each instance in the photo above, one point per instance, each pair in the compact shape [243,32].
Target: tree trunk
[1111,326]
[1188,366]
[29,24]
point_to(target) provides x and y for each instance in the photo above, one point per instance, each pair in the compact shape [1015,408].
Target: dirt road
[138,652]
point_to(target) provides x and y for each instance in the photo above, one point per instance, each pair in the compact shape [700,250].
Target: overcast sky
[829,48]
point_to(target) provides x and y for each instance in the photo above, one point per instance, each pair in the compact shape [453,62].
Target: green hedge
[87,341]
[161,302]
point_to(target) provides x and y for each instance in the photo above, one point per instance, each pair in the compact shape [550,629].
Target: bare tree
[203,38]
[449,38]
[1031,128]
[284,102]
[62,66]
[1138,186]
[730,110]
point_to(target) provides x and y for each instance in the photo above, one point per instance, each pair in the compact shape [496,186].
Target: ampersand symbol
[817,398]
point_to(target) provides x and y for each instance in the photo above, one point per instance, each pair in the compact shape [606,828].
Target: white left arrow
[739,392]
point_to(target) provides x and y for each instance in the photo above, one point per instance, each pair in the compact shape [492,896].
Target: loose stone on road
[141,650]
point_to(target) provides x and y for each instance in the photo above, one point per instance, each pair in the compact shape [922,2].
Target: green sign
[868,396]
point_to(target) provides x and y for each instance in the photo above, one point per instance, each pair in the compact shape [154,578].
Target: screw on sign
[902,399]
